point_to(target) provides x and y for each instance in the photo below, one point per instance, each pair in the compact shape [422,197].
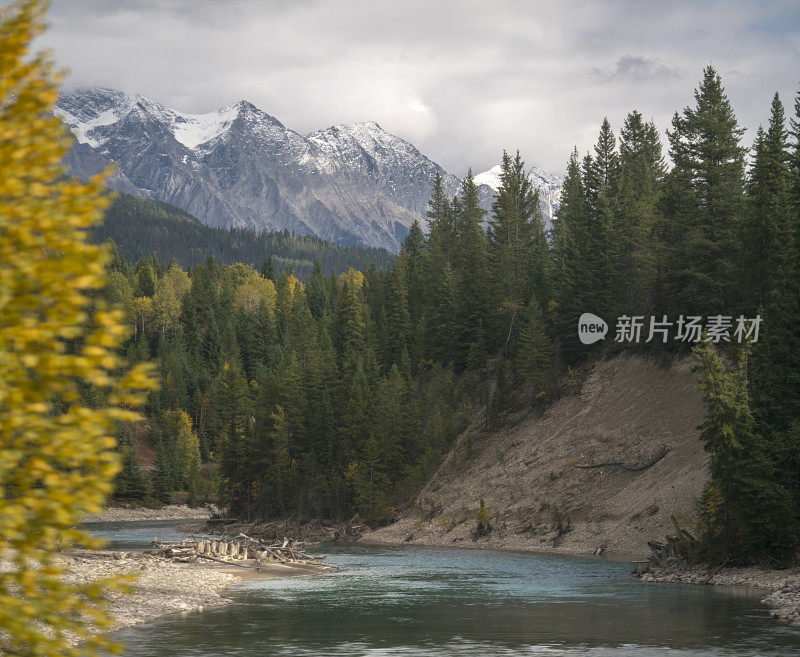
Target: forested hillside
[339,395]
[145,227]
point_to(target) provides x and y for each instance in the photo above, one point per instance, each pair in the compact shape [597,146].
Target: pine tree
[776,357]
[415,246]
[352,324]
[268,269]
[164,471]
[515,215]
[144,279]
[398,319]
[634,248]
[440,216]
[747,511]
[794,173]
[601,172]
[516,226]
[317,293]
[471,275]
[767,215]
[534,358]
[130,484]
[704,203]
[571,279]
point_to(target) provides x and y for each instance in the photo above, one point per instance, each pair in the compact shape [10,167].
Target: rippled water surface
[139,535]
[419,601]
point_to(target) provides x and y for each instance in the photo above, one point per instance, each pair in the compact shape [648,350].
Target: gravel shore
[162,587]
[169,512]
[784,585]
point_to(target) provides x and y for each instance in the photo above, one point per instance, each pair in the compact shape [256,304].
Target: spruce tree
[767,216]
[440,216]
[415,246]
[471,276]
[748,512]
[131,484]
[268,269]
[634,247]
[534,358]
[704,203]
[571,279]
[601,172]
[794,174]
[398,319]
[515,224]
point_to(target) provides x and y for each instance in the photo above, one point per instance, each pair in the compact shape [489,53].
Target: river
[434,601]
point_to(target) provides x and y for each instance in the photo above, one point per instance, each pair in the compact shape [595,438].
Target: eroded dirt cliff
[602,470]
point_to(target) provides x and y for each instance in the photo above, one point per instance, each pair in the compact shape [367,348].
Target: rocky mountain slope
[602,471]
[238,166]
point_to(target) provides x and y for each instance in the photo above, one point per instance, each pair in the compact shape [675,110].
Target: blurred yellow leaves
[56,456]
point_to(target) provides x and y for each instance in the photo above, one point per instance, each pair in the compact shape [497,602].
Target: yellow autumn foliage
[253,291]
[57,458]
[352,276]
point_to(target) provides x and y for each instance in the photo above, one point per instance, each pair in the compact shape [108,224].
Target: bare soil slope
[601,471]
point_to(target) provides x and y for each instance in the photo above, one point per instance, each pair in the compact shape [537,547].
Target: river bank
[784,585]
[162,587]
[122,513]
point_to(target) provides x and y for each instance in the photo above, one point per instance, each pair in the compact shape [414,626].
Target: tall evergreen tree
[633,246]
[571,279]
[534,359]
[747,511]
[515,228]
[471,278]
[767,216]
[440,215]
[398,319]
[704,203]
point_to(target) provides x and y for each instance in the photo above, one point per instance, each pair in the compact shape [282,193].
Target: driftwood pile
[241,550]
[674,548]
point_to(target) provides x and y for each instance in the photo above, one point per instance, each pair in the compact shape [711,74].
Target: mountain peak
[238,166]
[490,178]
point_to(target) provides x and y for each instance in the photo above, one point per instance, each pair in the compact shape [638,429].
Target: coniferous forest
[141,227]
[338,394]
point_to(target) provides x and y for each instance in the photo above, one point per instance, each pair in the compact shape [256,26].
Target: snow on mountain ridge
[490,178]
[238,166]
[548,184]
[102,108]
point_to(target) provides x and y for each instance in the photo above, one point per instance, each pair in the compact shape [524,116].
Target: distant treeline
[145,227]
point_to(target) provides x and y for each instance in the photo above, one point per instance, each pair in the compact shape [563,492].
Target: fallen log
[205,556]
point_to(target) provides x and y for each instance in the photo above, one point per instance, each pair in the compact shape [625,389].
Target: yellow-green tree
[253,291]
[169,293]
[57,458]
[185,447]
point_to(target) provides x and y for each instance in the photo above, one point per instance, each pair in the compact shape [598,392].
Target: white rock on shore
[162,587]
[169,512]
[784,601]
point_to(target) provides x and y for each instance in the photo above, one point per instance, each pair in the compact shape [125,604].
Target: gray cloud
[462,79]
[639,69]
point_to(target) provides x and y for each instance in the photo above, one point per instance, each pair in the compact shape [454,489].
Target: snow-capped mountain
[548,184]
[239,166]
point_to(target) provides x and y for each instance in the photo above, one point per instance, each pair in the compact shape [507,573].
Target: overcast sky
[461,80]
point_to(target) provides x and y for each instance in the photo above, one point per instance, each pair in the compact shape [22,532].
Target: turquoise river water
[427,601]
